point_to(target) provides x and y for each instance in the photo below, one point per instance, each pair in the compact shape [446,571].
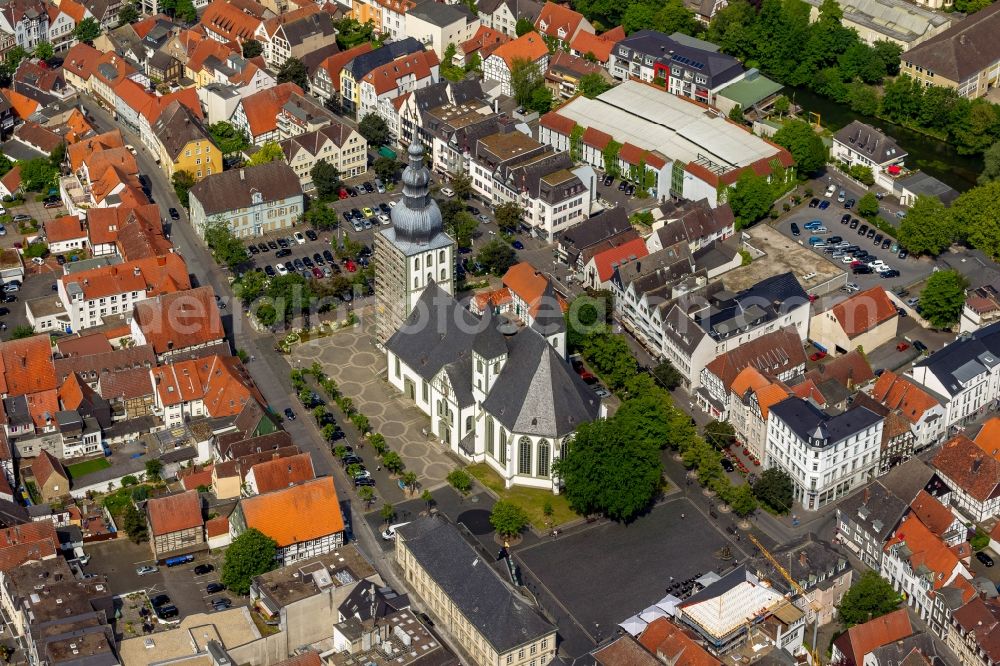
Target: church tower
[411,253]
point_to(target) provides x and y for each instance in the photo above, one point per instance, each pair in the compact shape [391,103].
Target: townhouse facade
[337,144]
[250,201]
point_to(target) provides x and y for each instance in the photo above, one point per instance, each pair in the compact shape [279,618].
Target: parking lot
[912,270]
[120,559]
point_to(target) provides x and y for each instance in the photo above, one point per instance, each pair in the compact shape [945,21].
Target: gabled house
[27,20]
[854,644]
[178,323]
[383,86]
[213,386]
[919,407]
[561,25]
[50,476]
[274,475]
[336,144]
[175,524]
[972,473]
[185,144]
[503,15]
[530,47]
[304,519]
[597,48]
[294,34]
[866,320]
[226,21]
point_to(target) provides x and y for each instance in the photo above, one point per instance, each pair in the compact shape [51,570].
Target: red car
[816,356]
[343,194]
[902,346]
[351,266]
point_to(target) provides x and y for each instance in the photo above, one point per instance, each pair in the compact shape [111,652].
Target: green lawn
[87,467]
[530,499]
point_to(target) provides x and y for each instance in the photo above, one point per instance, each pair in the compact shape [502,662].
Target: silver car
[146,570]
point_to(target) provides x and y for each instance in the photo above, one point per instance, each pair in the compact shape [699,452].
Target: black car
[351,460]
[871,232]
[622,185]
[891,273]
[849,204]
[474,210]
[318,259]
[854,223]
[329,256]
[878,239]
[9,298]
[348,216]
[814,202]
[863,270]
[283,242]
[262,247]
[630,190]
[833,239]
[288,267]
[727,464]
[159,600]
[357,214]
[795,229]
[384,207]
[221,601]
[4,312]
[903,254]
[352,191]
[311,235]
[886,243]
[272,245]
[308,262]
[269,271]
[609,180]
[289,414]
[919,346]
[299,266]
[863,229]
[174,215]
[984,558]
[363,481]
[203,569]
[167,612]
[283,252]
[252,249]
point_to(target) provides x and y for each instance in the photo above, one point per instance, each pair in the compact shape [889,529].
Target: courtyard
[350,358]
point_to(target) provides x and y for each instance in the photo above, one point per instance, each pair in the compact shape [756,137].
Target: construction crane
[798,590]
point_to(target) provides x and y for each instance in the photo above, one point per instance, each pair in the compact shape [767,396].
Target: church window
[503,447]
[489,436]
[423,391]
[564,448]
[479,365]
[444,274]
[441,256]
[416,281]
[397,367]
[524,456]
[416,264]
[496,367]
[468,423]
[543,457]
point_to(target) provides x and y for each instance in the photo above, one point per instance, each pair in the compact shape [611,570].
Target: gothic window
[524,456]
[564,448]
[489,436]
[543,457]
[468,423]
[441,256]
[416,264]
[503,446]
[416,282]
[444,274]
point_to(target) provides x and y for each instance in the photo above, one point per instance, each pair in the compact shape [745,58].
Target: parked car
[289,414]
[146,570]
[281,270]
[167,612]
[830,191]
[849,204]
[854,223]
[518,245]
[823,205]
[845,218]
[311,235]
[814,202]
[902,346]
[919,346]
[358,482]
[447,191]
[984,558]
[299,238]
[891,273]
[159,600]
[903,254]
[817,356]
[795,229]
[727,465]
[52,204]
[221,603]
[609,180]
[174,215]
[203,569]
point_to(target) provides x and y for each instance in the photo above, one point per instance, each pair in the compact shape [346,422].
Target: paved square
[607,573]
[351,359]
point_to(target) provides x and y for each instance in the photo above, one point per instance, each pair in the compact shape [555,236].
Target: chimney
[868,494]
[136,271]
[803,560]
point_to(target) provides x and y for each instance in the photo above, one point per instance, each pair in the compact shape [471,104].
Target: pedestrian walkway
[350,358]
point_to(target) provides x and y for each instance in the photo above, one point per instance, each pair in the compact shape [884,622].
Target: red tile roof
[23,106]
[529,285]
[607,261]
[673,645]
[26,366]
[927,551]
[969,467]
[554,18]
[83,345]
[298,514]
[206,48]
[484,42]
[529,46]
[936,516]
[81,150]
[386,78]
[229,21]
[81,60]
[283,472]
[864,311]
[595,138]
[773,354]
[191,478]
[221,382]
[153,276]
[988,437]
[180,319]
[26,543]
[599,46]
[901,394]
[861,639]
[174,513]
[65,228]
[335,63]
[45,465]
[553,121]
[262,108]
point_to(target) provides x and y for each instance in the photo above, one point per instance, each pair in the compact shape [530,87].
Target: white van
[830,191]
[390,533]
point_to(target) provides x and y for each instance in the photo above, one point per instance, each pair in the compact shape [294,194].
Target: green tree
[461,185]
[460,481]
[781,105]
[863,99]
[393,462]
[153,469]
[36,249]
[611,357]
[942,299]
[427,498]
[525,79]
[669,376]
[186,11]
[775,489]
[720,434]
[593,84]
[321,217]
[750,198]
[736,114]
[183,181]
[22,331]
[38,174]
[497,256]
[252,48]
[868,206]
[927,227]
[134,523]
[409,480]
[129,14]
[270,152]
[523,26]
[326,180]
[44,50]
[251,554]
[87,30]
[388,512]
[607,471]
[294,70]
[373,128]
[229,139]
[991,164]
[508,216]
[871,597]
[367,495]
[742,500]
[508,519]
[226,248]
[462,227]
[888,52]
[541,100]
[804,144]
[386,168]
[976,215]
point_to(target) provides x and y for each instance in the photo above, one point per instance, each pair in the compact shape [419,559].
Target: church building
[497,389]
